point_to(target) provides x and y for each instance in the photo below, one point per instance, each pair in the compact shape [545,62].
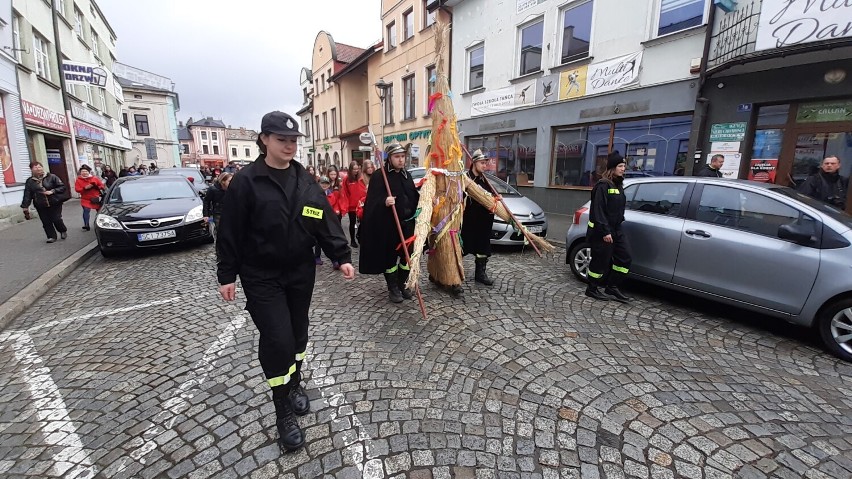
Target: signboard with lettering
[524,5]
[87,132]
[44,117]
[824,111]
[787,23]
[82,113]
[504,99]
[408,136]
[613,74]
[85,74]
[728,131]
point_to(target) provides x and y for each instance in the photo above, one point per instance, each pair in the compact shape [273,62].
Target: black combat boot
[592,291]
[298,398]
[455,290]
[394,294]
[480,276]
[290,435]
[403,277]
[616,294]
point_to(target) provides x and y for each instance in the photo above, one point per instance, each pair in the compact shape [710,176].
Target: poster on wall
[787,23]
[5,152]
[613,74]
[572,83]
[504,99]
[547,88]
[763,170]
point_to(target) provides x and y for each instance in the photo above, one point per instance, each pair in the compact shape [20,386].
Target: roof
[306,108]
[347,53]
[184,134]
[209,121]
[356,131]
[241,134]
[131,85]
[359,60]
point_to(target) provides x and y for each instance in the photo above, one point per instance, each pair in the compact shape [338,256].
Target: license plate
[156,235]
[534,229]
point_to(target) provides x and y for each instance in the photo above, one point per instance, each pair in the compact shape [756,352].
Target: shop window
[813,148]
[391,35]
[772,115]
[141,125]
[576,32]
[530,48]
[476,67]
[579,155]
[526,158]
[677,15]
[764,156]
[660,198]
[408,97]
[428,17]
[408,24]
[511,155]
[652,146]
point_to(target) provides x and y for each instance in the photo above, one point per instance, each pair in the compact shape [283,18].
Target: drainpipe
[65,100]
[702,105]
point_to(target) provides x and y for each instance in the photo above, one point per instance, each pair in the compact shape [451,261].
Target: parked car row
[758,246]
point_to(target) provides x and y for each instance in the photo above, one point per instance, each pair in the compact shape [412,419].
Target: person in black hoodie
[47,192]
[381,251]
[610,250]
[274,215]
[712,168]
[214,199]
[827,185]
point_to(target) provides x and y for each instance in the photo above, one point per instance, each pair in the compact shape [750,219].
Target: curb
[16,305]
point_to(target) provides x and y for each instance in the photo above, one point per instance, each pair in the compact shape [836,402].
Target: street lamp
[382,91]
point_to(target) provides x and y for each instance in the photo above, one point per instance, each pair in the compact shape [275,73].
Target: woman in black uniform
[477,221]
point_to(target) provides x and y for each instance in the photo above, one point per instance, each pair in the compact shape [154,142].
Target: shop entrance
[56,158]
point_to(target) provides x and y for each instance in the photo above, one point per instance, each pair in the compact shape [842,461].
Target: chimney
[180,124]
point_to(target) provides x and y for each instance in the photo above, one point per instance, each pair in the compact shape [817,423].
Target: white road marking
[52,414]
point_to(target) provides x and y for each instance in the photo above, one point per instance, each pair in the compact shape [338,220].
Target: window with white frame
[233,151]
[576,31]
[530,47]
[214,136]
[408,24]
[307,123]
[391,35]
[142,125]
[78,22]
[16,36]
[428,17]
[476,67]
[42,58]
[89,98]
[204,135]
[60,7]
[215,149]
[389,104]
[102,98]
[205,149]
[408,97]
[431,83]
[677,15]
[70,88]
[95,47]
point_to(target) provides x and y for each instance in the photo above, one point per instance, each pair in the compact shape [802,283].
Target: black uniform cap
[279,123]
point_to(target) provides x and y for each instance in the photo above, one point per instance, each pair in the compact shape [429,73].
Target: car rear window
[823,208]
[195,174]
[132,191]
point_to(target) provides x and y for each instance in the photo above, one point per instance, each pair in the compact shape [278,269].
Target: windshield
[823,208]
[195,174]
[502,187]
[131,191]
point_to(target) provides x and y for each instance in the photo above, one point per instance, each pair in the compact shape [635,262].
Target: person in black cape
[478,221]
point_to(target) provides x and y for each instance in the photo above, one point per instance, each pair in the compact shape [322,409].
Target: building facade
[305,114]
[547,89]
[352,82]
[150,114]
[776,99]
[242,146]
[14,154]
[209,142]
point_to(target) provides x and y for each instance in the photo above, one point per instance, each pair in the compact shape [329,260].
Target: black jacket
[258,238]
[379,236]
[213,200]
[828,188]
[709,172]
[33,191]
[477,222]
[607,210]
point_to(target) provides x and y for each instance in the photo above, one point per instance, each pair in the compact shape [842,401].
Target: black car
[149,211]
[193,174]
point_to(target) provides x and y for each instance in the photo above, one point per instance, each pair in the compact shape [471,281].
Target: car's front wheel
[835,328]
[579,258]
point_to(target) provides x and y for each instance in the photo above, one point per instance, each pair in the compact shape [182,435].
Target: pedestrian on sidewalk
[352,191]
[381,251]
[274,214]
[109,175]
[610,250]
[47,193]
[90,188]
[214,199]
[477,221]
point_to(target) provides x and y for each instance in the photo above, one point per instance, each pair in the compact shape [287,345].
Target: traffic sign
[366,138]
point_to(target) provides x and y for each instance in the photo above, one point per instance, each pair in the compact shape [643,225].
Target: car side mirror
[795,233]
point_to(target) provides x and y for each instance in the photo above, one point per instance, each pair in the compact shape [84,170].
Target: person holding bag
[90,188]
[47,193]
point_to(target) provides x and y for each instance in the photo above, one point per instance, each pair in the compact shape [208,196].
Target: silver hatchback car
[762,247]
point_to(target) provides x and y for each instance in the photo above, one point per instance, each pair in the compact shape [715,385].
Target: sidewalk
[30,266]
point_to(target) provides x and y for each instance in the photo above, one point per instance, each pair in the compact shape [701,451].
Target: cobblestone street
[135,368]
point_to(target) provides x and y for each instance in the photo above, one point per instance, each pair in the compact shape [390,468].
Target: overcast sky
[235,60]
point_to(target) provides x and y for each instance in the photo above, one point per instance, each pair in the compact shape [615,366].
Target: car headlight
[195,214]
[107,222]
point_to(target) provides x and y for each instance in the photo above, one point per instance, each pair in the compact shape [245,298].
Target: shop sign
[87,132]
[613,74]
[84,74]
[763,170]
[728,131]
[82,113]
[504,99]
[45,117]
[787,23]
[403,137]
[54,157]
[825,111]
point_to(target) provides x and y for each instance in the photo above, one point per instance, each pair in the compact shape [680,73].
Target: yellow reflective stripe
[391,270]
[404,267]
[282,380]
[620,269]
[301,356]
[613,191]
[591,225]
[312,212]
[595,275]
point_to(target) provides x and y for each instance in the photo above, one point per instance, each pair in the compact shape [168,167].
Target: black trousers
[353,220]
[279,306]
[610,261]
[51,219]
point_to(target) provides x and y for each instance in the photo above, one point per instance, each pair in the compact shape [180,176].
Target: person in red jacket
[333,200]
[352,191]
[89,186]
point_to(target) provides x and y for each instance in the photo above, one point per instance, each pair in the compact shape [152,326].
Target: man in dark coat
[477,221]
[827,185]
[381,251]
[712,169]
[47,192]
